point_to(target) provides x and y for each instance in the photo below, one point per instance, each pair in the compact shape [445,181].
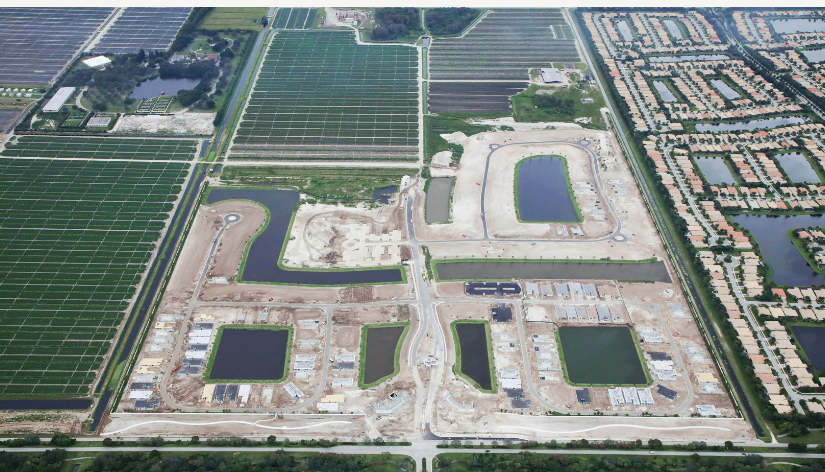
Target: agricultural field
[294,18]
[236,18]
[148,29]
[70,147]
[504,45]
[320,95]
[76,239]
[472,97]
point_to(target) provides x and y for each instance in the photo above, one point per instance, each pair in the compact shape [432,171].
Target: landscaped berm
[601,355]
[250,354]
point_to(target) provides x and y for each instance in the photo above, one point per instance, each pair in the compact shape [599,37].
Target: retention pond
[264,254]
[715,170]
[543,190]
[665,92]
[601,355]
[437,209]
[473,353]
[654,271]
[751,125]
[812,340]
[380,359]
[797,167]
[157,87]
[250,354]
[788,266]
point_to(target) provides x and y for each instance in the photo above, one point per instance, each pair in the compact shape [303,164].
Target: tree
[729,445]
[797,447]
[271,440]
[62,440]
[195,440]
[654,444]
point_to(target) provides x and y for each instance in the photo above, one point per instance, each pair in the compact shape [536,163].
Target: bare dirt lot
[181,123]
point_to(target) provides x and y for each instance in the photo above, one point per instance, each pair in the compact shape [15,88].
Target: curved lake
[655,271]
[475,362]
[380,355]
[788,266]
[798,25]
[814,55]
[265,251]
[543,192]
[690,58]
[750,125]
[157,87]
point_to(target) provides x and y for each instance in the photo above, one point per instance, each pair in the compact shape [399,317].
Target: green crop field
[236,18]
[294,18]
[67,147]
[320,95]
[75,239]
[504,45]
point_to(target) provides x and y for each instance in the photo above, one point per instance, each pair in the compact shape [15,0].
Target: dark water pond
[673,28]
[797,167]
[725,89]
[814,55]
[715,170]
[250,354]
[664,91]
[690,58]
[494,270]
[381,345]
[157,86]
[601,355]
[383,195]
[798,25]
[438,200]
[472,338]
[543,192]
[265,251]
[624,30]
[788,267]
[750,125]
[812,340]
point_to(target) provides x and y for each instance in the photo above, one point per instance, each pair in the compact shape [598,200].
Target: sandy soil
[182,123]
[519,126]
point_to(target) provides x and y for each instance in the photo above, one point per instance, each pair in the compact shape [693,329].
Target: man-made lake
[383,195]
[788,266]
[380,355]
[814,55]
[494,270]
[250,354]
[812,340]
[725,89]
[690,58]
[475,363]
[673,28]
[715,170]
[157,86]
[664,91]
[265,251]
[798,25]
[751,125]
[437,209]
[624,30]
[601,355]
[797,167]
[543,192]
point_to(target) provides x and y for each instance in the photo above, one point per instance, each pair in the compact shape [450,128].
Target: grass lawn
[525,111]
[235,18]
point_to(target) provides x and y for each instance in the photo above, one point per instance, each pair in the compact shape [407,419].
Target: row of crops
[294,18]
[75,239]
[505,45]
[70,147]
[320,95]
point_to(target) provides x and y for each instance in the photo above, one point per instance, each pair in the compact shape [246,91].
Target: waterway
[265,251]
[602,355]
[494,270]
[624,30]
[797,167]
[156,87]
[751,125]
[543,191]
[664,91]
[690,58]
[798,25]
[250,354]
[715,170]
[384,194]
[725,89]
[812,340]
[475,363]
[380,355]
[788,266]
[438,200]
[674,29]
[814,55]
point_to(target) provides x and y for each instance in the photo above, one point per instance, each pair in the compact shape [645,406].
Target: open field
[309,102]
[504,45]
[234,18]
[76,238]
[68,147]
